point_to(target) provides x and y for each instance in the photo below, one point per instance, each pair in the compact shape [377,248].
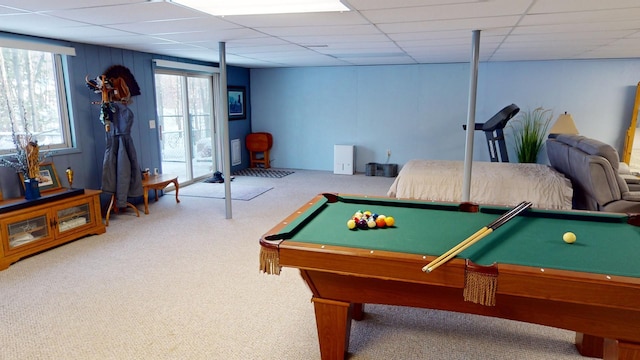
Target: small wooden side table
[259,142]
[158,182]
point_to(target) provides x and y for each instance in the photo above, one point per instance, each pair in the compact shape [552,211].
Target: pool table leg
[607,349]
[333,321]
[589,345]
[620,350]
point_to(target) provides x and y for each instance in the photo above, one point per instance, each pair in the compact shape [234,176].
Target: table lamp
[564,125]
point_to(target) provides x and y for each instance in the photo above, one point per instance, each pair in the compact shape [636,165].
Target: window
[32,94]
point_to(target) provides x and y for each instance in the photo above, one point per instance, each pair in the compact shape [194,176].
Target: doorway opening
[186,118]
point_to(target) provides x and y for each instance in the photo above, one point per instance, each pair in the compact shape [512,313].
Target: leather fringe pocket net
[480,283]
[270,261]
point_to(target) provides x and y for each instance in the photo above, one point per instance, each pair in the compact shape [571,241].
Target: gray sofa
[600,182]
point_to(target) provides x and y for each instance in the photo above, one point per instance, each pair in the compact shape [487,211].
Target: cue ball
[569,237]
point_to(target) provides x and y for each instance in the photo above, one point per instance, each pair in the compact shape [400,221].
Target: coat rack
[121,174]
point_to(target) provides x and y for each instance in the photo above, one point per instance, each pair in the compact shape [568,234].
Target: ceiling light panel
[262,7]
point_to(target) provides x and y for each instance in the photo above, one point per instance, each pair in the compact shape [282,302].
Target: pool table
[591,286]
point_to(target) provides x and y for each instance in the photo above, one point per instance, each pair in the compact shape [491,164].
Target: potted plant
[530,131]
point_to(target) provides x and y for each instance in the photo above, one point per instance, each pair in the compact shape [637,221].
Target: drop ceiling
[374,32]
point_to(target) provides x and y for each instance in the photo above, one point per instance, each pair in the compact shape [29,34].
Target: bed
[495,183]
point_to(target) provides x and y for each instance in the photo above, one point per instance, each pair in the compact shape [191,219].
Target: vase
[31,189]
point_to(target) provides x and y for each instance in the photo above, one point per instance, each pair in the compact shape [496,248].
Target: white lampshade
[564,125]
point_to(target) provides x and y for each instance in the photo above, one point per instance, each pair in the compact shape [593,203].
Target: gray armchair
[594,170]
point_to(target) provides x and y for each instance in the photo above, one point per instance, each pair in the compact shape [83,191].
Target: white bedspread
[491,183]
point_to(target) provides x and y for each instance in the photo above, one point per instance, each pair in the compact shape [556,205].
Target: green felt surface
[606,243]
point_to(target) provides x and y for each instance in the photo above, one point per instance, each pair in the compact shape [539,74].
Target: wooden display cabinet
[29,227]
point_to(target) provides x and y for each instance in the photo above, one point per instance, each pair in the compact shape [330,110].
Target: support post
[224,127]
[471,116]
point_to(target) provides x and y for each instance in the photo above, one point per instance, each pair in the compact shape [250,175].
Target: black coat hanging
[120,170]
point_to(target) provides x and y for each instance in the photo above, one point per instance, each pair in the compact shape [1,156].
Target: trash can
[370,169]
[389,170]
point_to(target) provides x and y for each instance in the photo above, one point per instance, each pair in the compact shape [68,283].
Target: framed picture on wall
[237,102]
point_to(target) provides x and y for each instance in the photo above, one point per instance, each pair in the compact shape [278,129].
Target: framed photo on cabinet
[48,180]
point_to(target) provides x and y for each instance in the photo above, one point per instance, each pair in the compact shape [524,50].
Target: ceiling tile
[374,32]
[581,17]
[567,6]
[458,24]
[311,19]
[386,4]
[128,13]
[448,12]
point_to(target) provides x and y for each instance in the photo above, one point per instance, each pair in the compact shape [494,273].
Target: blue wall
[238,129]
[417,111]
[91,61]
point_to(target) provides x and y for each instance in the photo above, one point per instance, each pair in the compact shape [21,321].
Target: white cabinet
[344,159]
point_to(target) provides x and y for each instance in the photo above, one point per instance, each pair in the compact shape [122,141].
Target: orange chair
[259,143]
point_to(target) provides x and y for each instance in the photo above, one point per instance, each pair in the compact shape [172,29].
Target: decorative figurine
[70,177]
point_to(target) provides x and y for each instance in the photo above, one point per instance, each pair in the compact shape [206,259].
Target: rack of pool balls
[368,220]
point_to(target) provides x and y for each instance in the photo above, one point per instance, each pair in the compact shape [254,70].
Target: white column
[224,127]
[471,116]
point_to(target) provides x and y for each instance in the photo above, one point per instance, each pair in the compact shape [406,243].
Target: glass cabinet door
[73,217]
[29,230]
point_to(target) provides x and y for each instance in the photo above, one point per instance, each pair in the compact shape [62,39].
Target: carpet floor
[217,191]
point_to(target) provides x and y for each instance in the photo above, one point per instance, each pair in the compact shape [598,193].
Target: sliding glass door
[186,123]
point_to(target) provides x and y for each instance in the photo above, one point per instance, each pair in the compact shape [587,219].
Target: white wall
[417,111]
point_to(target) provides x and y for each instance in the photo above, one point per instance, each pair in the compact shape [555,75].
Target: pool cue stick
[470,238]
[470,241]
[506,214]
[480,234]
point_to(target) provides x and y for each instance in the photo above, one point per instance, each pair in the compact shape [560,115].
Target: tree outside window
[32,95]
